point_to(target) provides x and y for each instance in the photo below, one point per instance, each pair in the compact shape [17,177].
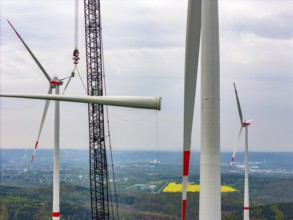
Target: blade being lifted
[121,101]
[31,53]
[42,124]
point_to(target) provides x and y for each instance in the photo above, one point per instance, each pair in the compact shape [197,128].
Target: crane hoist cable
[75,51]
[75,57]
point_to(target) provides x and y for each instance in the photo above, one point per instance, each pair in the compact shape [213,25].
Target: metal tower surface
[97,148]
[210,167]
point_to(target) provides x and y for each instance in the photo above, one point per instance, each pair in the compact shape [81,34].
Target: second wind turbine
[54,83]
[244,124]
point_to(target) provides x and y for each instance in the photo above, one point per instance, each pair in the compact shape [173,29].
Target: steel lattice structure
[97,148]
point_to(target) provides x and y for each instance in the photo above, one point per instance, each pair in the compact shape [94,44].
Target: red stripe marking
[55,214]
[37,142]
[232,159]
[186,157]
[183,209]
[245,208]
[244,124]
[32,158]
[55,83]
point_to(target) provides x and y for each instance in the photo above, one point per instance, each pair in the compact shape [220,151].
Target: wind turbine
[54,83]
[203,29]
[244,124]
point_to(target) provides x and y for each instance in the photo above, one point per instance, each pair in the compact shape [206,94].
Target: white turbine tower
[202,19]
[244,124]
[133,102]
[210,167]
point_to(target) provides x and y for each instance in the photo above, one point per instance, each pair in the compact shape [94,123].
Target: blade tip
[10,23]
[158,103]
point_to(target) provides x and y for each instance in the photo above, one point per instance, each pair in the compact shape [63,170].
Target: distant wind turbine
[244,124]
[133,102]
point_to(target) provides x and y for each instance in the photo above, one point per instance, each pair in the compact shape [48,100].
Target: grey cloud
[273,27]
[140,25]
[144,55]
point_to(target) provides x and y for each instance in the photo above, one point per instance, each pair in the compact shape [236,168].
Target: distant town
[16,167]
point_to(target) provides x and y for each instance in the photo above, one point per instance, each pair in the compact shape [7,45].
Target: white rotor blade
[31,53]
[193,30]
[42,124]
[238,104]
[122,101]
[235,148]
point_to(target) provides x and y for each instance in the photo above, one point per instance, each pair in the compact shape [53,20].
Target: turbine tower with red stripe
[191,66]
[244,124]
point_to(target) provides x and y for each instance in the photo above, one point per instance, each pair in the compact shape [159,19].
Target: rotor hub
[245,123]
[56,82]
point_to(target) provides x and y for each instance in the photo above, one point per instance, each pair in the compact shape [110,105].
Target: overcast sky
[144,44]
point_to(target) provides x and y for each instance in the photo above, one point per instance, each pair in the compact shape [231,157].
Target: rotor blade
[42,124]
[122,101]
[235,148]
[31,53]
[193,30]
[238,104]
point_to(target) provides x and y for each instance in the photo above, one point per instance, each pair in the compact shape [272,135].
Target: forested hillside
[34,203]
